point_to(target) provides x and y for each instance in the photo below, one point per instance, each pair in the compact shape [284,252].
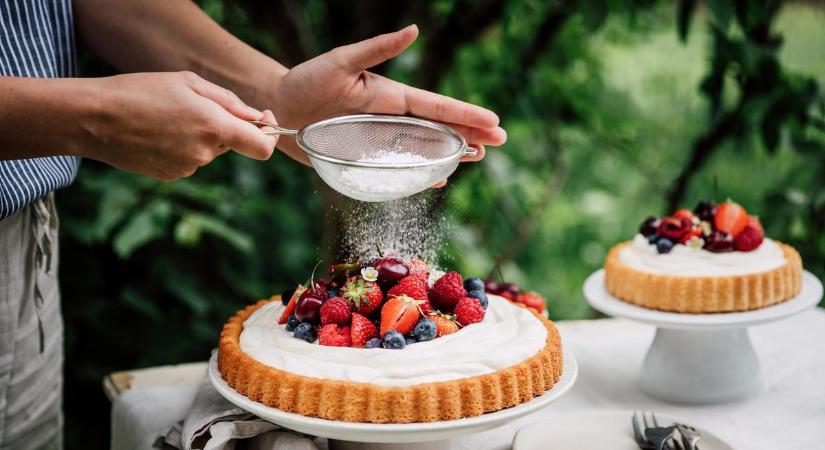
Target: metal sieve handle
[279,130]
[471,151]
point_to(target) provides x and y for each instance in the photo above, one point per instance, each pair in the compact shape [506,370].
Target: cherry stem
[378,248]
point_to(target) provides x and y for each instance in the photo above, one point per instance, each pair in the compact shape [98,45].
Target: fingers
[429,105]
[440,184]
[481,136]
[245,138]
[371,52]
[223,97]
[481,151]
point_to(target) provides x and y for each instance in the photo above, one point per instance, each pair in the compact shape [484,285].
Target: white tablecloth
[788,414]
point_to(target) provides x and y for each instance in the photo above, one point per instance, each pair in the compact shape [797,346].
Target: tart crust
[703,294]
[363,402]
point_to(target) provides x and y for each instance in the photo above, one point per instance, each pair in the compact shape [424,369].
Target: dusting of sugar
[411,227]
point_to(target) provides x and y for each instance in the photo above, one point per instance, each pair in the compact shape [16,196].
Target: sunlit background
[615,110]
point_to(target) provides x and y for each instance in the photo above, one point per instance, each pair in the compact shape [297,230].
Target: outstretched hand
[338,83]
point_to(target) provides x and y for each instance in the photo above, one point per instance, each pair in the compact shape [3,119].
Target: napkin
[213,423]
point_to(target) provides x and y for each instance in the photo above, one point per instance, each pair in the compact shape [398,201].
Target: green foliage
[615,110]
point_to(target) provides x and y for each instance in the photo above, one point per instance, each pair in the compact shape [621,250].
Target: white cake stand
[701,358]
[373,436]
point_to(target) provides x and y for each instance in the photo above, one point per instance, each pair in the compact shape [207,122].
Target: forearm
[45,117]
[173,35]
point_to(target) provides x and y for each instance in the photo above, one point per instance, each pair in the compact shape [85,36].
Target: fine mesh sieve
[376,158]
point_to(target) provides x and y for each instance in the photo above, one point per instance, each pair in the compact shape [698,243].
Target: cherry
[648,227]
[719,242]
[705,211]
[308,307]
[491,286]
[390,271]
[512,288]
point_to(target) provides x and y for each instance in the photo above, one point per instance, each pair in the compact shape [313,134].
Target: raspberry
[334,335]
[411,286]
[335,310]
[447,291]
[419,268]
[751,237]
[469,311]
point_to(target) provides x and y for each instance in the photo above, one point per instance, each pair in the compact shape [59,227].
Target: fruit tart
[390,341]
[712,259]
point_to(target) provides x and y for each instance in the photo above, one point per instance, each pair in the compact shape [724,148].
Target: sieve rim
[354,118]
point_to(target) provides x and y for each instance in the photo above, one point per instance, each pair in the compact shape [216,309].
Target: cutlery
[690,437]
[649,435]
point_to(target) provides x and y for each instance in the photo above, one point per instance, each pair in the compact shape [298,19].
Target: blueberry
[306,332]
[481,296]
[409,340]
[292,322]
[473,284]
[287,295]
[653,238]
[394,340]
[664,245]
[373,343]
[424,330]
[332,293]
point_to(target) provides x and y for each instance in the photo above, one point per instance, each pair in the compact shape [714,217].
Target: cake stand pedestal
[403,436]
[701,358]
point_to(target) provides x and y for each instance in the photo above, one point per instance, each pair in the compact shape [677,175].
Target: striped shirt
[36,40]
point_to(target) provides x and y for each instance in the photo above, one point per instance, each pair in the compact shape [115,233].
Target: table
[788,413]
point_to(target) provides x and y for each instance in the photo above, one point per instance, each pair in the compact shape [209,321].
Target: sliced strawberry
[400,314]
[290,307]
[362,330]
[730,218]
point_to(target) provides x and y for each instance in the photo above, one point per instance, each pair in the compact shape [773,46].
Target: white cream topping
[507,336]
[691,262]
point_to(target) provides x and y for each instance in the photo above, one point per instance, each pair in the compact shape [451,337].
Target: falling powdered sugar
[411,227]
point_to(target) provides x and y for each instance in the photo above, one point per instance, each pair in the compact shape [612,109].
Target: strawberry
[363,296]
[411,286]
[684,212]
[362,330]
[468,311]
[532,300]
[334,335]
[447,291]
[336,310]
[730,218]
[750,237]
[694,232]
[400,314]
[425,307]
[290,307]
[444,324]
[419,268]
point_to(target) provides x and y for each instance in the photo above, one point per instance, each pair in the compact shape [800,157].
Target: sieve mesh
[365,138]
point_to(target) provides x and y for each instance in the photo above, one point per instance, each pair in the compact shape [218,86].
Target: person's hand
[167,125]
[338,83]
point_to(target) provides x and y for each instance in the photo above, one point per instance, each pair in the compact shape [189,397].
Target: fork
[689,435]
[653,437]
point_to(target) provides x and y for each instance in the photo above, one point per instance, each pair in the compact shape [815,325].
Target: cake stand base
[389,436]
[701,367]
[701,358]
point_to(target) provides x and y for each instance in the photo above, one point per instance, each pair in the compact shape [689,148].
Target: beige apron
[31,330]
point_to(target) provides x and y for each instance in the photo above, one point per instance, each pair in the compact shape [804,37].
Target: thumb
[371,52]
